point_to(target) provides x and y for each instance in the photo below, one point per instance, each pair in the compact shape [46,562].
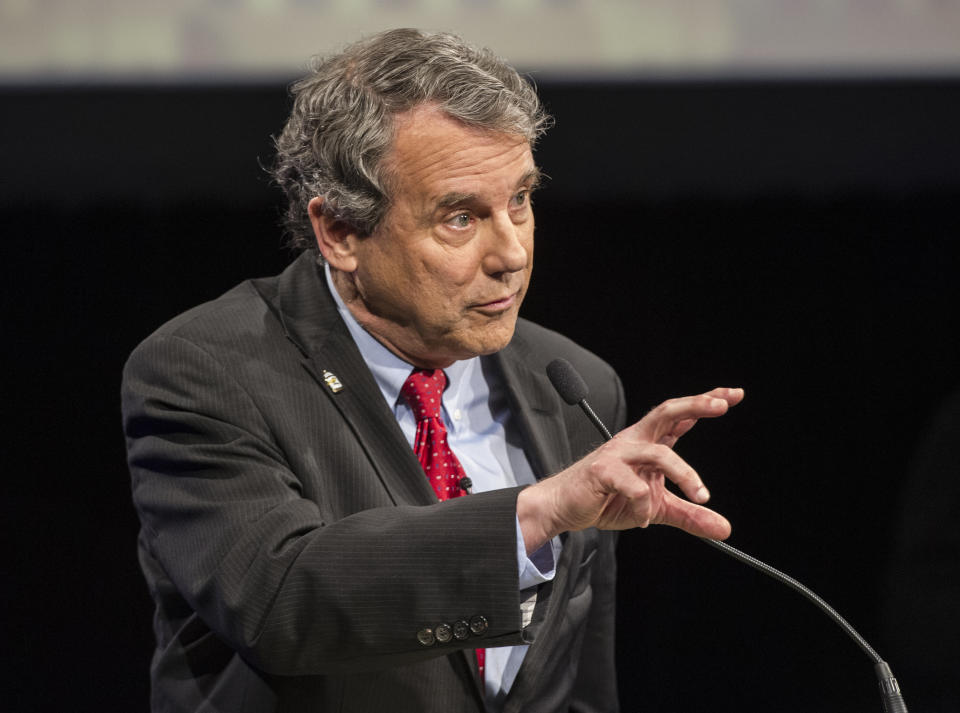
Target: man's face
[443,276]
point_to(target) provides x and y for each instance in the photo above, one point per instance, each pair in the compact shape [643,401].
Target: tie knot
[423,390]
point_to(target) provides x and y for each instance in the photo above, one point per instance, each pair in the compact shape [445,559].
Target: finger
[732,396]
[695,519]
[661,421]
[664,459]
[679,429]
[709,405]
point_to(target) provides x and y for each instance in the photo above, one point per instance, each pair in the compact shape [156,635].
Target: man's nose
[508,245]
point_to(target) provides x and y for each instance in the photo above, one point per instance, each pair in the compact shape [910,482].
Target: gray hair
[341,125]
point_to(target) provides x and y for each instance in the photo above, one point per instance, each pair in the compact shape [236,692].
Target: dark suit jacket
[293,546]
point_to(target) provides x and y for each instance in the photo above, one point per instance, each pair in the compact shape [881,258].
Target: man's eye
[521,198]
[460,221]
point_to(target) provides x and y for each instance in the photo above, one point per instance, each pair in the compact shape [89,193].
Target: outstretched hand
[622,485]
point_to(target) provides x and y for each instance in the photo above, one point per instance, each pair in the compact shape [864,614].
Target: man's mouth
[498,305]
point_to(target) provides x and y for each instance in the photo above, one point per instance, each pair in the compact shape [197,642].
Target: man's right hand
[621,485]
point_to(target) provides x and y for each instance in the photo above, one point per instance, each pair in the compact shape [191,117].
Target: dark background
[795,238]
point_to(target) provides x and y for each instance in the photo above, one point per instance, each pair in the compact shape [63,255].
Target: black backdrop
[795,238]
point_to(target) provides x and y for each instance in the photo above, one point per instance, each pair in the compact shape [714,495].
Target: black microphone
[573,389]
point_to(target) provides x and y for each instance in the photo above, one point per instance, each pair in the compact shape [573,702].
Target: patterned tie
[423,391]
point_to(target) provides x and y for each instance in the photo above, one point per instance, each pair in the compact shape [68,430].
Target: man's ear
[336,239]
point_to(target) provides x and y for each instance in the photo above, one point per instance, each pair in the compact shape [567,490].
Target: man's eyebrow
[531,179]
[451,200]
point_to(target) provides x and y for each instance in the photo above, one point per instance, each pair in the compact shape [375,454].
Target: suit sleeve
[227,532]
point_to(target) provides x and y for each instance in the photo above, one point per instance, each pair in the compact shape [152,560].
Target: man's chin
[497,339]
[479,343]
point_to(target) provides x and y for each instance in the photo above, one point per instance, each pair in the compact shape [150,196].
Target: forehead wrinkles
[432,152]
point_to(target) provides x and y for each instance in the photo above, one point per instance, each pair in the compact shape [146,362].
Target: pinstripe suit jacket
[293,546]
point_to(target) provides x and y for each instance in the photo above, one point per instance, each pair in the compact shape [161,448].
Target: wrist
[534,518]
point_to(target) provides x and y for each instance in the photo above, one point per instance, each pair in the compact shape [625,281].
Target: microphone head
[568,383]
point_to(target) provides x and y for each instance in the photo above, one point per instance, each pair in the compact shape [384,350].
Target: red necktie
[423,391]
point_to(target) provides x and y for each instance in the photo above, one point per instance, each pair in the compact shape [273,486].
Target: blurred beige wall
[177,39]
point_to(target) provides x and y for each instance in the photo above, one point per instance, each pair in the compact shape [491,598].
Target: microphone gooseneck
[572,389]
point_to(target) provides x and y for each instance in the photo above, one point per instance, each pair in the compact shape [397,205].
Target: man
[301,556]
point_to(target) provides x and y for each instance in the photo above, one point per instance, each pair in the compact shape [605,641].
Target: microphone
[573,389]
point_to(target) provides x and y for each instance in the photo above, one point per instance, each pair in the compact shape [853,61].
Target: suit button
[461,630]
[426,637]
[478,624]
[444,633]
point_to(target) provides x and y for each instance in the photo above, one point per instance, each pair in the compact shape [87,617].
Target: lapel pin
[333,383]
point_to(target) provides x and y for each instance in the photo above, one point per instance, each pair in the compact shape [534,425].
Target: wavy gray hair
[341,125]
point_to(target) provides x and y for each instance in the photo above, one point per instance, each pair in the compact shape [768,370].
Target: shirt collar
[389,370]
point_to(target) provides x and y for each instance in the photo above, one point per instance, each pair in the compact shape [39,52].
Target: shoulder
[225,331]
[540,346]
[233,313]
[537,346]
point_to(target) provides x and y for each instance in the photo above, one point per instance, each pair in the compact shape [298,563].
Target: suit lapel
[312,323]
[536,406]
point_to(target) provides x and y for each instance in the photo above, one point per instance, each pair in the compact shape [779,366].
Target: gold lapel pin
[331,380]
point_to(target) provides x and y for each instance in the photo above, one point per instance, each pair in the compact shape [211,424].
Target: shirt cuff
[540,566]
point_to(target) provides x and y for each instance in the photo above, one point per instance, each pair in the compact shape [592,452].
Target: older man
[341,471]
